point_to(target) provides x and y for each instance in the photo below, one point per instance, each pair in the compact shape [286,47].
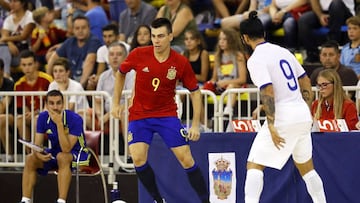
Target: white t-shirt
[106,83]
[16,29]
[348,3]
[272,64]
[74,86]
[102,54]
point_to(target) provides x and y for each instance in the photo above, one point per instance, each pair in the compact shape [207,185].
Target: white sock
[25,199]
[253,185]
[61,201]
[315,186]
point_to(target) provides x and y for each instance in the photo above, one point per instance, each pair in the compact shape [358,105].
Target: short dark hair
[331,44]
[111,27]
[159,22]
[81,17]
[27,54]
[54,93]
[61,61]
[252,26]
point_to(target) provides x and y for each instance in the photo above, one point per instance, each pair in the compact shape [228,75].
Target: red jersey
[155,82]
[41,84]
[350,114]
[55,36]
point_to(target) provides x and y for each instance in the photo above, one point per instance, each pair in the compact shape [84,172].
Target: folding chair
[94,168]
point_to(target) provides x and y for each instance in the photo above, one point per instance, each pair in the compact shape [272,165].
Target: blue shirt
[97,19]
[351,57]
[76,55]
[73,123]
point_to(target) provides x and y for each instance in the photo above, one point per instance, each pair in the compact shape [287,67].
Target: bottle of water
[115,194]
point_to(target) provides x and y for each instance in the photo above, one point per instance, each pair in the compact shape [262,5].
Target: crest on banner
[222,177]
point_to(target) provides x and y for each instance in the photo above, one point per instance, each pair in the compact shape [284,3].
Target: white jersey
[272,64]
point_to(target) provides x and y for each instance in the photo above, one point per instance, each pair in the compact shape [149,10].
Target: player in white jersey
[285,92]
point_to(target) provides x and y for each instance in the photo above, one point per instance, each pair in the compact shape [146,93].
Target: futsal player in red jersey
[158,68]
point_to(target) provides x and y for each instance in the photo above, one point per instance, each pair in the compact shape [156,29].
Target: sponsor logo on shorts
[130,136]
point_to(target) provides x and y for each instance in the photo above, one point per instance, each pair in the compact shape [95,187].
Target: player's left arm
[194,132]
[268,101]
[305,88]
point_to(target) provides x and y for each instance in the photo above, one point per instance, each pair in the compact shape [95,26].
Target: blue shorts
[169,129]
[52,163]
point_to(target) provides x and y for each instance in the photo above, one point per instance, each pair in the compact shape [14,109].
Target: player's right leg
[32,163]
[139,138]
[254,182]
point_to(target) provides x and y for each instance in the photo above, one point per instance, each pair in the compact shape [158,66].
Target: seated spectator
[330,59]
[45,35]
[15,33]
[33,80]
[4,11]
[324,13]
[63,82]
[80,50]
[281,16]
[229,67]
[333,103]
[110,34]
[66,137]
[350,53]
[117,54]
[75,9]
[226,8]
[197,54]
[60,13]
[137,13]
[199,59]
[142,37]
[97,18]
[181,18]
[262,8]
[6,117]
[116,7]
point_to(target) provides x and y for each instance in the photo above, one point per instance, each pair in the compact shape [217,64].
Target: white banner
[222,177]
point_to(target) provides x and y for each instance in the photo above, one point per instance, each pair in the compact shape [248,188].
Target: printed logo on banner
[222,177]
[246,125]
[331,125]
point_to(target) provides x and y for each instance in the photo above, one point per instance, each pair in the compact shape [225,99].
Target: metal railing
[247,99]
[246,106]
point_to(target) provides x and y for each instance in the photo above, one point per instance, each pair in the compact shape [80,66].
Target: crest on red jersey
[171,75]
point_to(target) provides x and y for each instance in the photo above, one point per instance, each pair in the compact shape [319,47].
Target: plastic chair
[94,168]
